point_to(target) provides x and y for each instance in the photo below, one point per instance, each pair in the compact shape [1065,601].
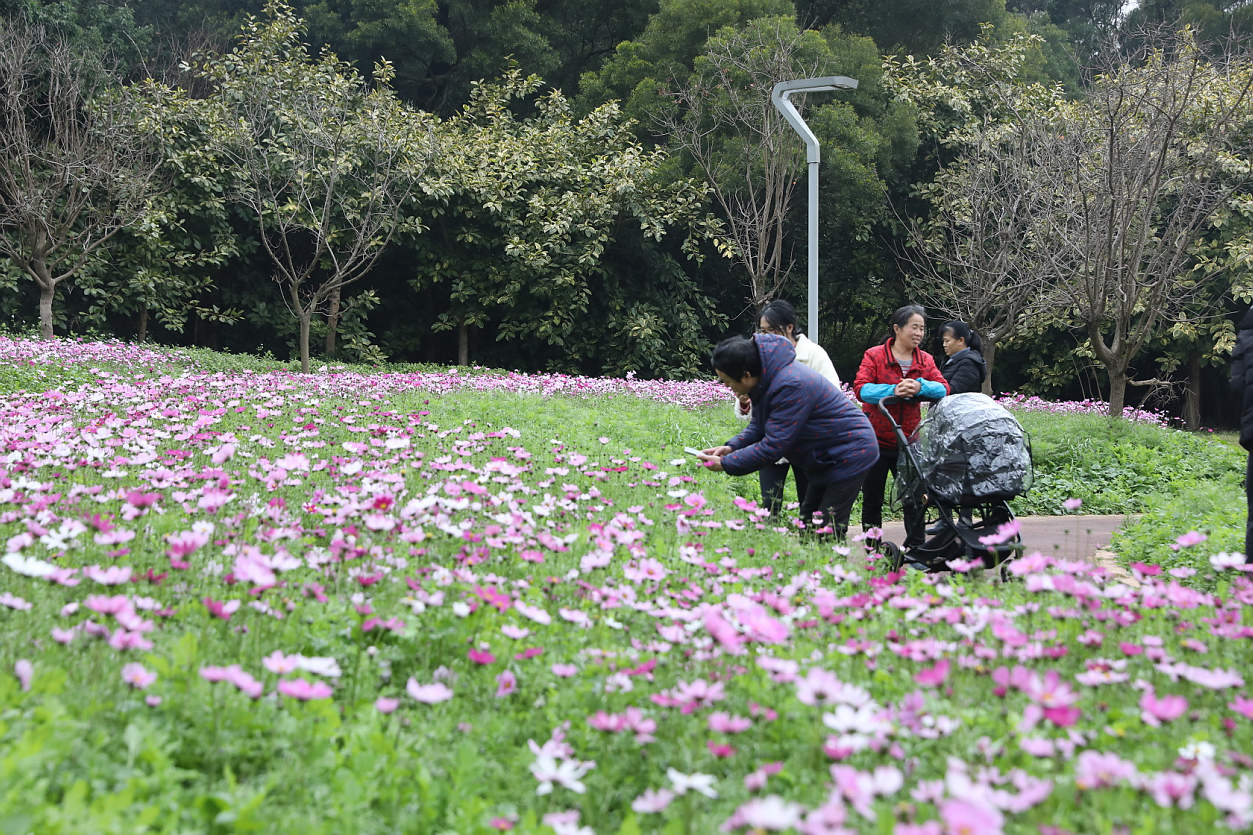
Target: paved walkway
[1070,537]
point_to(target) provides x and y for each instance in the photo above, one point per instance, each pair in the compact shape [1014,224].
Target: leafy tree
[521,233]
[909,27]
[323,162]
[75,172]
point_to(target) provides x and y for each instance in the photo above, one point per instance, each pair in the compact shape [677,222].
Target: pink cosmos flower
[506,684]
[564,670]
[1050,691]
[933,676]
[481,657]
[428,694]
[761,814]
[25,672]
[723,723]
[1242,706]
[965,817]
[1095,769]
[1154,710]
[756,781]
[304,690]
[722,631]
[1168,789]
[515,632]
[720,750]
[652,801]
[122,640]
[1072,504]
[221,608]
[281,664]
[385,705]
[1188,540]
[63,636]
[153,701]
[137,676]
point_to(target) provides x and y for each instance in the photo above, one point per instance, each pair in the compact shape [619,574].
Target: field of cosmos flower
[470,602]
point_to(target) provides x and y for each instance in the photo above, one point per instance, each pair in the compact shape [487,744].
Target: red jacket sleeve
[867,372]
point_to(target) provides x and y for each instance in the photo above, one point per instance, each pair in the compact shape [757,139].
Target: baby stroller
[964,463]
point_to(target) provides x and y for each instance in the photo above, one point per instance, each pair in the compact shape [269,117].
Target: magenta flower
[303,690]
[386,705]
[506,684]
[221,608]
[137,676]
[1072,504]
[964,817]
[481,657]
[933,676]
[428,694]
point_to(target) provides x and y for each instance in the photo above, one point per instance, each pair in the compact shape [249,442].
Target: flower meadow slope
[341,604]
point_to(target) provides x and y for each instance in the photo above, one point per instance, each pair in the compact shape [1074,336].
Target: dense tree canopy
[580,213]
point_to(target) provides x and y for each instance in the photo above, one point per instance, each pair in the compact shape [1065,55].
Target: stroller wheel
[894,554]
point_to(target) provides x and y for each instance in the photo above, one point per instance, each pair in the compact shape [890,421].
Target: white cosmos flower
[29,566]
[703,783]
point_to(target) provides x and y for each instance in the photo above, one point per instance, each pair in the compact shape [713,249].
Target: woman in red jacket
[897,367]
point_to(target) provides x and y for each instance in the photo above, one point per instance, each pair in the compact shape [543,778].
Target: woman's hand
[908,388]
[717,451]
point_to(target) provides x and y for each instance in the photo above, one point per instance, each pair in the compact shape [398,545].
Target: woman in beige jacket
[779,317]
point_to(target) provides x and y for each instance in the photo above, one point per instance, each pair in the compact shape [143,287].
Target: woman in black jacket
[964,369]
[1242,387]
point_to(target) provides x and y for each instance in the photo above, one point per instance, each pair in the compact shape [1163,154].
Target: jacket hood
[1247,322]
[776,354]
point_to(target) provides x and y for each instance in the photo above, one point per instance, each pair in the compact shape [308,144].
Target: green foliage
[522,216]
[1215,508]
[1117,466]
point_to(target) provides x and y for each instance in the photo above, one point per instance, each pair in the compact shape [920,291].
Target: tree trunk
[305,317]
[463,344]
[141,332]
[989,356]
[1117,392]
[1192,398]
[332,322]
[46,293]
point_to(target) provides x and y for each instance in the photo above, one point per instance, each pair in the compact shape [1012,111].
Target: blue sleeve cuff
[874,392]
[931,388]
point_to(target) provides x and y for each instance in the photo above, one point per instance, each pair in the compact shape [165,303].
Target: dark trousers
[872,500]
[773,478]
[835,500]
[1248,525]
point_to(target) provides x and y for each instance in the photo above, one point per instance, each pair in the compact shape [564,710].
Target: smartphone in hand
[694,451]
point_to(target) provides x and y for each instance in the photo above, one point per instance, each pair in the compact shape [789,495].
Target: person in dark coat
[964,369]
[799,416]
[1242,387]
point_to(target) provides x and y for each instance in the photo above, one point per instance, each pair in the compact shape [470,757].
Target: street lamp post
[780,95]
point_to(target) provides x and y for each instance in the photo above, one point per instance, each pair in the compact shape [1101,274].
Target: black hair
[963,331]
[780,313]
[901,317]
[737,356]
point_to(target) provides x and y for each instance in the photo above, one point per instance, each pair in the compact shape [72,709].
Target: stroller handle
[892,400]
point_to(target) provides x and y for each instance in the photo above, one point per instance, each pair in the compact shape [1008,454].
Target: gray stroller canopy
[971,449]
